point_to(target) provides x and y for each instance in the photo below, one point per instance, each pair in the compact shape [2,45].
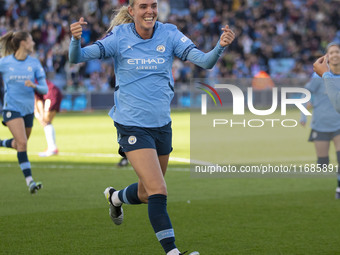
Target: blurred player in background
[46,107]
[19,72]
[143,52]
[325,116]
[1,92]
[328,67]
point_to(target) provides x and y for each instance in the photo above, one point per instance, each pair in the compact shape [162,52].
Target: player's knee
[161,189]
[47,121]
[143,196]
[21,145]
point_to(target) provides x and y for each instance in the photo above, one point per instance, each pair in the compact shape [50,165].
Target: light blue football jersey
[332,83]
[15,72]
[144,81]
[324,118]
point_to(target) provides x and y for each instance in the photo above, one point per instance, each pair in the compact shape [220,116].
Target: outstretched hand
[321,65]
[77,29]
[227,36]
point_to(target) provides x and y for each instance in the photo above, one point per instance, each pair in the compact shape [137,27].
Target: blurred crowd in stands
[282,38]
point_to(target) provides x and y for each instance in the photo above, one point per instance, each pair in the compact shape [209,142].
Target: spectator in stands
[268,31]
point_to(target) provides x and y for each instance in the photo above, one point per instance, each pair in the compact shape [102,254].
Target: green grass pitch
[213,216]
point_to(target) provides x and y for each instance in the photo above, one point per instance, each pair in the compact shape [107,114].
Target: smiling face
[144,13]
[334,55]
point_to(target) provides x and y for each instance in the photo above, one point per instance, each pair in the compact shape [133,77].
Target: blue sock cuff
[157,198]
[129,195]
[25,165]
[6,143]
[120,195]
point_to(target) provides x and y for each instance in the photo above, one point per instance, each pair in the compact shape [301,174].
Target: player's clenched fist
[30,84]
[321,65]
[227,36]
[76,28]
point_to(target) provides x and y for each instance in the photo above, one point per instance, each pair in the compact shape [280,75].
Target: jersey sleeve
[314,83]
[333,89]
[206,60]
[182,44]
[78,54]
[109,44]
[39,71]
[40,76]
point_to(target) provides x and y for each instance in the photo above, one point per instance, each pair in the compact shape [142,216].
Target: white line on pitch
[176,159]
[92,167]
[94,155]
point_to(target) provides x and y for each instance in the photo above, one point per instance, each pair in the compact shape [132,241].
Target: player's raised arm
[76,53]
[76,28]
[208,60]
[333,89]
[321,67]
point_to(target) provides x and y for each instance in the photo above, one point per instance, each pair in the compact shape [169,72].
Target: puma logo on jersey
[184,39]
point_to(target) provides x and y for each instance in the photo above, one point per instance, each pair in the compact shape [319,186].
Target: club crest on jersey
[160,48]
[29,69]
[132,140]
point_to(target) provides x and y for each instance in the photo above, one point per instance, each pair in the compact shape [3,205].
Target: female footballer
[19,72]
[328,67]
[143,50]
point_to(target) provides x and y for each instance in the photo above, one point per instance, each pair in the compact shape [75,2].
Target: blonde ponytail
[122,17]
[10,42]
[6,45]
